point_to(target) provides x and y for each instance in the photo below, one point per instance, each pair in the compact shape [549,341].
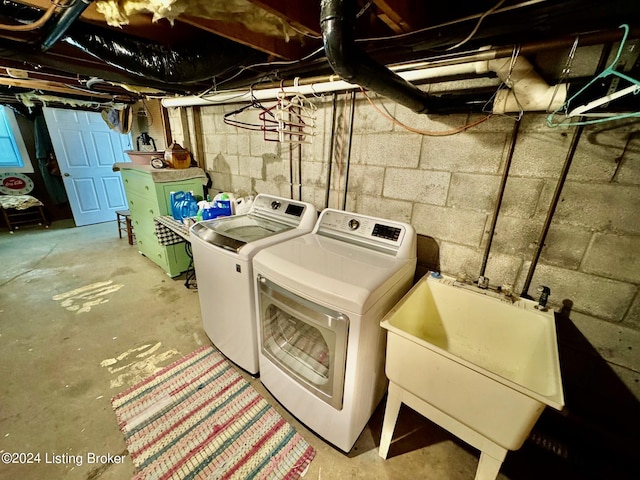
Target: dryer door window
[305,340]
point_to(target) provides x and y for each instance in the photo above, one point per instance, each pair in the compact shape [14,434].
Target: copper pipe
[33,25]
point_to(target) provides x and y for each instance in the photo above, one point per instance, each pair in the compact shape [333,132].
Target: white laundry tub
[480,366]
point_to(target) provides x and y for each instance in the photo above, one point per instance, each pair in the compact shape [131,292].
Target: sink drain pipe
[552,208]
[503,183]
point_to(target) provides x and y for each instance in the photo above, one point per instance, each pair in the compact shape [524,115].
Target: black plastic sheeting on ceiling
[147,63]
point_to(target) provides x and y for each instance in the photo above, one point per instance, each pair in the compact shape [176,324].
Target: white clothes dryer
[223,249]
[320,300]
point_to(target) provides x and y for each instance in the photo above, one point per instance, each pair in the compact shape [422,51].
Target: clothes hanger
[266,117]
[584,110]
[296,117]
[507,83]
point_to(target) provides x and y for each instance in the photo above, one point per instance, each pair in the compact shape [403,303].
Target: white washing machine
[222,252]
[320,300]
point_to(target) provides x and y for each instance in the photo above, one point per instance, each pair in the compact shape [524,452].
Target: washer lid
[268,216]
[232,233]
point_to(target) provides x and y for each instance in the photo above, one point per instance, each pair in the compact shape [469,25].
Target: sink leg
[489,466]
[394,400]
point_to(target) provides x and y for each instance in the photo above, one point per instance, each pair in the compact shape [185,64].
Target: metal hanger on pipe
[586,109]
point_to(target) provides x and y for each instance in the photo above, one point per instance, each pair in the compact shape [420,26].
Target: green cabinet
[148,196]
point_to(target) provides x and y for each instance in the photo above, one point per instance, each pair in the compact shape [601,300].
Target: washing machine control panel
[276,207]
[386,231]
[375,233]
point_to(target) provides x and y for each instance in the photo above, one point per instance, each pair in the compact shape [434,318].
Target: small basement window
[13,153]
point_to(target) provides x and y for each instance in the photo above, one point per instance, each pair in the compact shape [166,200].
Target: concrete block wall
[446,186]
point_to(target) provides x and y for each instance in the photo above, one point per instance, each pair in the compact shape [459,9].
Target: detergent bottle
[226,197]
[175,202]
[202,206]
[189,207]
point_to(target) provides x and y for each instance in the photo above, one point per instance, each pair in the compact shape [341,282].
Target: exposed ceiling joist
[48,86]
[401,15]
[242,34]
[391,31]
[302,15]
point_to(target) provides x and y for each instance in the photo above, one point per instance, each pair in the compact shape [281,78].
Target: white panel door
[86,150]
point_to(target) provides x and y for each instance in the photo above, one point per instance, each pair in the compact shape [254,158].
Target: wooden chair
[124,225]
[20,210]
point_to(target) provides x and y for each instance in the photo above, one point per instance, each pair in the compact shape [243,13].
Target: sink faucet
[544,297]
[482,285]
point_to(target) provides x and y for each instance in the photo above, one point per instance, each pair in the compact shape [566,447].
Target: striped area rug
[198,418]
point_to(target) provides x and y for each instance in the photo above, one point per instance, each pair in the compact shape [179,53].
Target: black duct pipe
[20,52]
[354,66]
[69,15]
[177,65]
[150,64]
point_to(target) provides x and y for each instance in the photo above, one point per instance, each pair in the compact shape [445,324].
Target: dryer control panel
[374,233]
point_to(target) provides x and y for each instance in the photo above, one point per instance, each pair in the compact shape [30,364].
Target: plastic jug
[226,196]
[219,208]
[243,205]
[189,206]
[175,200]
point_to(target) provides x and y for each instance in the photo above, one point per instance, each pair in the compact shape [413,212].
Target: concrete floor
[83,316]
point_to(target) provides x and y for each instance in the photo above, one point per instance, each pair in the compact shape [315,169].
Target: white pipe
[529,91]
[234,96]
[334,84]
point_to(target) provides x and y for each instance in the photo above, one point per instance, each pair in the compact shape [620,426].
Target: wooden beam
[48,86]
[198,138]
[166,125]
[401,15]
[302,15]
[241,34]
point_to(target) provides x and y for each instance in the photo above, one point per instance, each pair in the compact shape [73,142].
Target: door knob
[67,175]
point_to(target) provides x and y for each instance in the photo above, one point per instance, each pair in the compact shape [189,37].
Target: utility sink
[480,366]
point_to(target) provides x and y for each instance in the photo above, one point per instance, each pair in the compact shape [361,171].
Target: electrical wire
[428,133]
[302,32]
[447,24]
[243,68]
[475,29]
[284,62]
